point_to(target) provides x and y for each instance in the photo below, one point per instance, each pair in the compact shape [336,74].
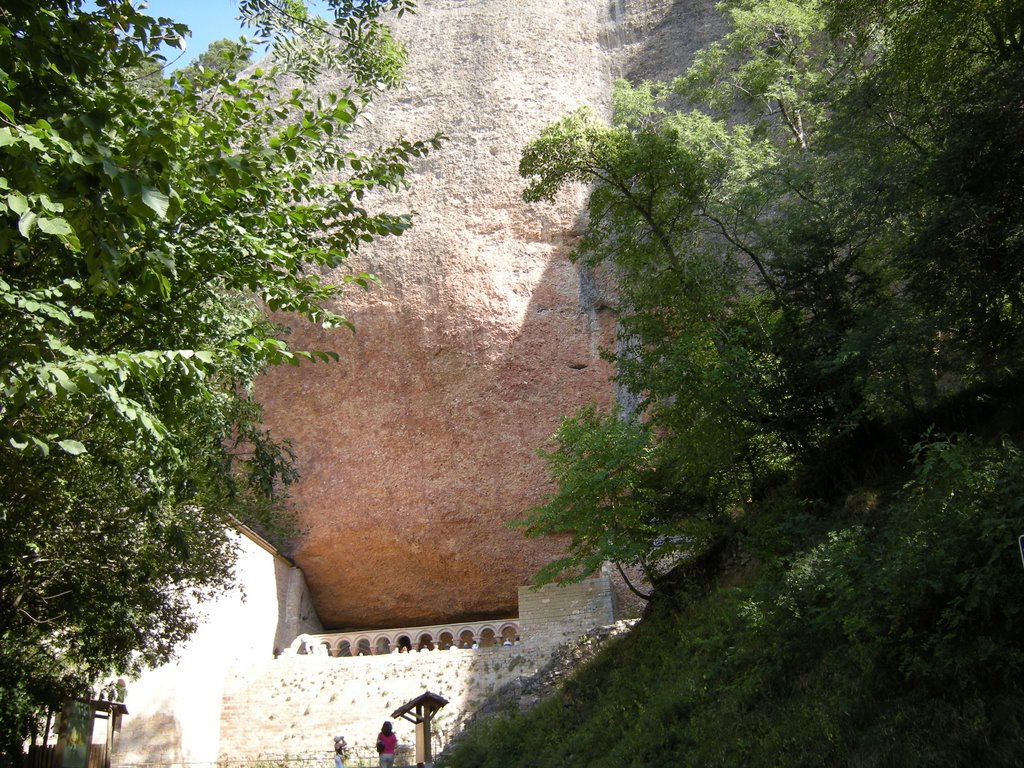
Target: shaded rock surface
[420,444]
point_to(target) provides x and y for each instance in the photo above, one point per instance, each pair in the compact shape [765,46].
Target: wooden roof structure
[425,705]
[421,711]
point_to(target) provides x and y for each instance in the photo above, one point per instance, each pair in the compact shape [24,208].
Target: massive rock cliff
[420,444]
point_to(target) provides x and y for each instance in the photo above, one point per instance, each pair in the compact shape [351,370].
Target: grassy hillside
[882,628]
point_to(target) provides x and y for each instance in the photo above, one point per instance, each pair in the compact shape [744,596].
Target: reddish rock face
[414,455]
[420,445]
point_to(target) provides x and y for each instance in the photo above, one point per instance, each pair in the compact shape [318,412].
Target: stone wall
[228,698]
[556,613]
[294,705]
[174,712]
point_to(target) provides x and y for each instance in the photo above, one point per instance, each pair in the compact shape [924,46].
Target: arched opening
[509,636]
[487,638]
[446,640]
[344,649]
[466,638]
[382,646]
[404,644]
[425,642]
[363,648]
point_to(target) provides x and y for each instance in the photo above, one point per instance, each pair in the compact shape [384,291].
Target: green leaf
[55,226]
[130,185]
[17,203]
[49,205]
[27,223]
[74,447]
[156,200]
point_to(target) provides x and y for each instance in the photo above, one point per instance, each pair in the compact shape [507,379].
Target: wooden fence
[45,757]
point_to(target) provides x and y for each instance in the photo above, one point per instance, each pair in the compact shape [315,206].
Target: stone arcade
[228,697]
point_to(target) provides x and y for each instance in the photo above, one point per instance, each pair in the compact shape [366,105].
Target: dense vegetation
[818,234]
[146,227]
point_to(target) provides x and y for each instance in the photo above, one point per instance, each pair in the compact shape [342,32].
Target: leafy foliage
[818,266]
[889,640]
[144,232]
[615,499]
[816,269]
[221,55]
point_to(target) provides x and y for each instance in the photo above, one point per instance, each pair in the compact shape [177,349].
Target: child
[340,748]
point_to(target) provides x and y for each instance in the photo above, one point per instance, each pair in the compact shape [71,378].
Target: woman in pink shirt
[387,742]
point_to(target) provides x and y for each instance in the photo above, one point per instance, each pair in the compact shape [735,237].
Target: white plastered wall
[175,710]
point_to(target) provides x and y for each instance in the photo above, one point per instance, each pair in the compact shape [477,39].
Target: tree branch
[629,584]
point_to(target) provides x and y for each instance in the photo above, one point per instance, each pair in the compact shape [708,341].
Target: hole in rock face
[577,366]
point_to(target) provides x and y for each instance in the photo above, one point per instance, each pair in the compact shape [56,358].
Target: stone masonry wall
[556,613]
[174,712]
[294,705]
[228,698]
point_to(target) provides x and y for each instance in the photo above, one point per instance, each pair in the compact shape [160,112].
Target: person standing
[340,752]
[387,743]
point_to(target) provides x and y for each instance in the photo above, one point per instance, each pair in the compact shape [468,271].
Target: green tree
[821,245]
[221,56]
[613,500]
[674,208]
[143,235]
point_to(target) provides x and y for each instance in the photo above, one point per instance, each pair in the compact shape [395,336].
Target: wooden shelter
[74,746]
[420,711]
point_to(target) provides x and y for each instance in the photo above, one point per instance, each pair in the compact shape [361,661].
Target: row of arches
[412,640]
